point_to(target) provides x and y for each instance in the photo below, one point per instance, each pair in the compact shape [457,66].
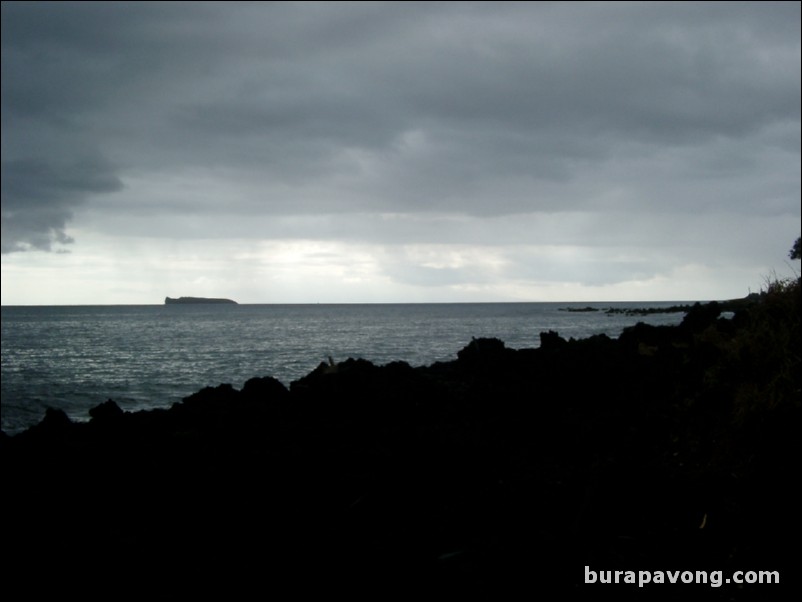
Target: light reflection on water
[151,356]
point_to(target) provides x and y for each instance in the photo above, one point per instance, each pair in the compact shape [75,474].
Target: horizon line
[374,302]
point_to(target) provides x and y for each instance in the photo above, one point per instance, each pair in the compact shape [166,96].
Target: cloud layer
[515,126]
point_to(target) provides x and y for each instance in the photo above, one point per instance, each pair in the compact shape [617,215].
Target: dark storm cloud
[38,197]
[473,108]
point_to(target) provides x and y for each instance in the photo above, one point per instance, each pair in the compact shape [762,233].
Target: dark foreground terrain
[503,471]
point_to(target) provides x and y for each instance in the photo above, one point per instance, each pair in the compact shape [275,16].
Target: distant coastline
[729,305]
[196,300]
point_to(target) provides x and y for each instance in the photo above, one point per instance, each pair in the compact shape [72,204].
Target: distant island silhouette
[195,300]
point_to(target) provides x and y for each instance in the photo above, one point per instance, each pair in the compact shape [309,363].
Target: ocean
[149,356]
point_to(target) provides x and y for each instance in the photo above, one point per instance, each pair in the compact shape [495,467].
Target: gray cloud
[38,197]
[473,109]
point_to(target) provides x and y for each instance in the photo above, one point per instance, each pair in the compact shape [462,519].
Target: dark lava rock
[505,468]
[106,412]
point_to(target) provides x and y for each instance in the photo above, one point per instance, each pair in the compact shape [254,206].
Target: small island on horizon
[196,300]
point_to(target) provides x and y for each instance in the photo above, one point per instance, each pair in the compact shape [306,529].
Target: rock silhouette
[501,469]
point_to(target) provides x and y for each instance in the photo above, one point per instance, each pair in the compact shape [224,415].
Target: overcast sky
[409,152]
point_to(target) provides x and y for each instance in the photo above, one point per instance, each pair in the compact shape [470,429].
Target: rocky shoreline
[667,448]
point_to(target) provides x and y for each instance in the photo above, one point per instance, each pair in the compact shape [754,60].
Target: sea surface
[147,356]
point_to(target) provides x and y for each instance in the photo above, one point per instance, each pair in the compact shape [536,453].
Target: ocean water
[146,356]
